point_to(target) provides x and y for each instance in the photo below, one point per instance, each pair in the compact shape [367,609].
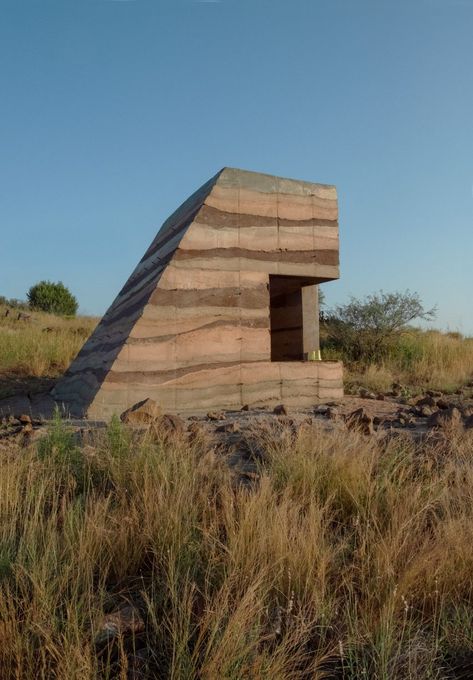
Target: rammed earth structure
[222,310]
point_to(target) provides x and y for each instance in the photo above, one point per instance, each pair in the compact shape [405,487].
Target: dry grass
[45,346]
[346,545]
[41,347]
[419,360]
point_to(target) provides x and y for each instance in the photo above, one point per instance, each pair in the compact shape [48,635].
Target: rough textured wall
[191,327]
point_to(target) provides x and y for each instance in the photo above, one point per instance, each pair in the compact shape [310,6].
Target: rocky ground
[24,418]
[237,435]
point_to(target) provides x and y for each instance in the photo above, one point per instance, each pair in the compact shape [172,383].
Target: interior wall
[287,317]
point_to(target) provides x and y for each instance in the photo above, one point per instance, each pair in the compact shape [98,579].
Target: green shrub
[54,298]
[367,329]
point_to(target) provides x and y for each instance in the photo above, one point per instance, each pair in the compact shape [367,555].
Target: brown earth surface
[231,430]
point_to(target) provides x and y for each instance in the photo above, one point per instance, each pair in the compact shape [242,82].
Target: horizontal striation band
[328,257]
[248,298]
[215,217]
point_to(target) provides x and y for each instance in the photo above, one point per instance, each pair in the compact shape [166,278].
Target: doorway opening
[294,317]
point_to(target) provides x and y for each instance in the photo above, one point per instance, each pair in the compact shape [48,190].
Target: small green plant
[54,298]
[60,449]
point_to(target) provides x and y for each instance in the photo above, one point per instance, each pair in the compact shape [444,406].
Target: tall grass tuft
[347,552]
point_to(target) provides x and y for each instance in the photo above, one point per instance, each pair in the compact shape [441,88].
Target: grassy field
[34,353]
[346,553]
[348,557]
[419,360]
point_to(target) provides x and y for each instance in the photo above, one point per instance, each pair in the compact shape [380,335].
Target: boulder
[143,413]
[280,410]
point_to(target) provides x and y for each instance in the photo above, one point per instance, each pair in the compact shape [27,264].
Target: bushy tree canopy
[52,297]
[366,328]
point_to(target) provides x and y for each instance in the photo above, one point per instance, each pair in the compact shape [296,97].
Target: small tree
[366,329]
[52,297]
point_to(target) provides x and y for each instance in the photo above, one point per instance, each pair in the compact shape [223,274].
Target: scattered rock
[434,393]
[216,415]
[25,419]
[195,429]
[405,418]
[280,410]
[442,403]
[142,413]
[124,621]
[359,420]
[425,411]
[11,431]
[366,394]
[380,396]
[446,419]
[170,424]
[426,401]
[9,421]
[230,428]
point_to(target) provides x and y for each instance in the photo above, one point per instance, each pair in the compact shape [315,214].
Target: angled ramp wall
[191,327]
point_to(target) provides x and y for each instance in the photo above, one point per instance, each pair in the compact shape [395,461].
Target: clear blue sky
[113,111]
